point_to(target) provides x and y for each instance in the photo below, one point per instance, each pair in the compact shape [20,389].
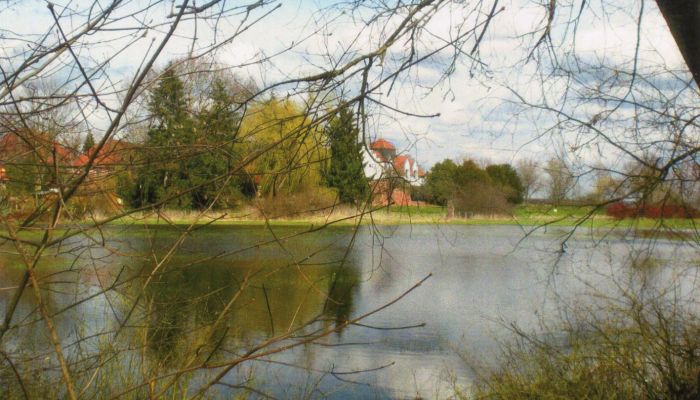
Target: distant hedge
[622,210]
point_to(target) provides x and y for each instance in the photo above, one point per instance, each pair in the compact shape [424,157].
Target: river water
[254,283]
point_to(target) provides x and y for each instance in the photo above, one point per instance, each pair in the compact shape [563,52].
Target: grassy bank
[531,215]
[525,215]
[646,351]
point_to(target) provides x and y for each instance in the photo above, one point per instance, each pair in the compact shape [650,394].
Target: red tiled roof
[11,146]
[80,161]
[113,152]
[399,161]
[381,144]
[378,156]
[64,154]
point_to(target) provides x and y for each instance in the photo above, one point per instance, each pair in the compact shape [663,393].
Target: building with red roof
[384,148]
[382,161]
[36,164]
[32,150]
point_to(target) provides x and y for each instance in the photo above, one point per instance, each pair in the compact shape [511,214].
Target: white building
[381,160]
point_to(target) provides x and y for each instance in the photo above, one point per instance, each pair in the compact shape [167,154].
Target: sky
[477,118]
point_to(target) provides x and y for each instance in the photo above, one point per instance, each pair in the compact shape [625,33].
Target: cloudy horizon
[476,118]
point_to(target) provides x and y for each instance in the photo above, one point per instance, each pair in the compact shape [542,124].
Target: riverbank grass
[524,215]
[645,352]
[531,215]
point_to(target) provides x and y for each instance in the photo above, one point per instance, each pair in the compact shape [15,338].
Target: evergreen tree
[184,152]
[163,174]
[217,127]
[219,120]
[88,143]
[346,172]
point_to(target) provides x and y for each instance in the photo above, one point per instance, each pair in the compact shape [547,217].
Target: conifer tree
[88,143]
[188,151]
[217,129]
[346,172]
[168,138]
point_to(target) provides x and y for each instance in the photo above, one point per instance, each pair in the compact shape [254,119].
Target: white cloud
[473,118]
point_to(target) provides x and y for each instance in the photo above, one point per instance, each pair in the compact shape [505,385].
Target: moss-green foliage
[89,142]
[346,172]
[508,181]
[467,187]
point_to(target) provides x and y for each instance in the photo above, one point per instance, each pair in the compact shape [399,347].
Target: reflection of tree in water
[341,294]
[182,303]
[165,330]
[271,298]
[185,314]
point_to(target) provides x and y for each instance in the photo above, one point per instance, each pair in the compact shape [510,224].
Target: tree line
[496,188]
[220,153]
[200,148]
[198,141]
[470,188]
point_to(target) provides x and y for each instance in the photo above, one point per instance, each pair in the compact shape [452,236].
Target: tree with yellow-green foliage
[290,147]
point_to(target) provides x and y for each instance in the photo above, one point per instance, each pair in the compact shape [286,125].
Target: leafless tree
[530,176]
[140,348]
[77,56]
[561,181]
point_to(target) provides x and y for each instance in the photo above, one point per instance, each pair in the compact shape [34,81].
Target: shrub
[307,202]
[622,210]
[648,352]
[481,198]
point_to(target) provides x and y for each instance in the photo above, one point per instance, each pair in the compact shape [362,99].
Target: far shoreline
[529,217]
[382,218]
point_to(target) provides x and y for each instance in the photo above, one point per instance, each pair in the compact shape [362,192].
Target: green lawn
[547,210]
[529,214]
[418,210]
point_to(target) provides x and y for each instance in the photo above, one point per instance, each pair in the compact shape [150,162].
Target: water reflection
[229,289]
[270,298]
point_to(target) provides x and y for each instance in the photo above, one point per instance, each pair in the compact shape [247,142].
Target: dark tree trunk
[683,19]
